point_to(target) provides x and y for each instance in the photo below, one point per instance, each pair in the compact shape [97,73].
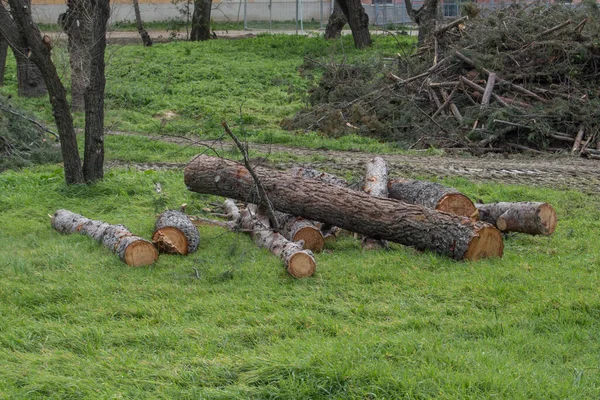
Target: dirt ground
[559,172]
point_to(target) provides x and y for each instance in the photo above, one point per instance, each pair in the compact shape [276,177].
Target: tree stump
[131,249]
[174,233]
[432,195]
[524,217]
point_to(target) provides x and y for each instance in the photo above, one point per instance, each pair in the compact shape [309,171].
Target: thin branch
[264,199]
[33,121]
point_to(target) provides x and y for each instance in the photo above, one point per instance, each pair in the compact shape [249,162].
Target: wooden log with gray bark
[298,229]
[298,261]
[525,217]
[133,250]
[375,184]
[408,224]
[432,195]
[174,233]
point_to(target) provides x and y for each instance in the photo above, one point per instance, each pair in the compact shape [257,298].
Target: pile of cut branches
[524,78]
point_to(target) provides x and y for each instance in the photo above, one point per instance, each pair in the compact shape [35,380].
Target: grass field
[76,323]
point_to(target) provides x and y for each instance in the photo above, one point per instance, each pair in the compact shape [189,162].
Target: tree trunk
[140,24]
[432,195]
[358,20]
[424,17]
[298,262]
[93,164]
[3,54]
[77,24]
[175,233]
[336,23]
[524,217]
[133,250]
[40,55]
[29,78]
[375,184]
[389,219]
[201,20]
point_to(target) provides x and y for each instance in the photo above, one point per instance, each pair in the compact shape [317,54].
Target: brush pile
[524,78]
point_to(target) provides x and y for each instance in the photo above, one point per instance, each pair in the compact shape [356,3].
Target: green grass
[251,83]
[78,323]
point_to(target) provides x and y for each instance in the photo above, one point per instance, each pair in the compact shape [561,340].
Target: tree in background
[358,21]
[336,22]
[3,54]
[146,40]
[24,36]
[424,17]
[201,20]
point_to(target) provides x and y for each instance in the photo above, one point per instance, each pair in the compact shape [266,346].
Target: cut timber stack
[432,195]
[133,250]
[524,217]
[413,225]
[174,233]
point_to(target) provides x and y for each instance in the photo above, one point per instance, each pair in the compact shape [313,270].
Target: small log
[578,139]
[432,195]
[448,100]
[389,219]
[174,233]
[555,28]
[298,229]
[439,31]
[452,106]
[376,180]
[524,217]
[299,263]
[131,249]
[580,26]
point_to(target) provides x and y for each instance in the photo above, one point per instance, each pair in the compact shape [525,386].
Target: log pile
[521,79]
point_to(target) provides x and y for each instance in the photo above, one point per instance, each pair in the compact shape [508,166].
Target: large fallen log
[524,217]
[174,233]
[389,219]
[299,262]
[432,195]
[133,250]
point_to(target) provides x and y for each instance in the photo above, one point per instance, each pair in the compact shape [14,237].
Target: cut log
[299,262]
[524,217]
[298,229]
[375,184]
[432,195]
[133,250]
[174,233]
[389,219]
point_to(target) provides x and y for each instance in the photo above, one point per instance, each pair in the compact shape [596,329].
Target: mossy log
[174,233]
[408,224]
[525,217]
[298,261]
[432,195]
[133,250]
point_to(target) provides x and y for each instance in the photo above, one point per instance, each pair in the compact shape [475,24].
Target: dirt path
[556,172]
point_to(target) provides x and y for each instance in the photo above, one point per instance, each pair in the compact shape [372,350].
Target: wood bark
[41,56]
[336,22]
[77,24]
[389,219]
[131,249]
[431,195]
[146,40]
[93,164]
[425,17]
[201,20]
[525,217]
[375,184]
[358,20]
[175,233]
[299,262]
[3,55]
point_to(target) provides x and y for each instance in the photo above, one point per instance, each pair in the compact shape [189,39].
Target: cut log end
[140,253]
[312,237]
[545,220]
[301,265]
[456,203]
[170,240]
[488,243]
